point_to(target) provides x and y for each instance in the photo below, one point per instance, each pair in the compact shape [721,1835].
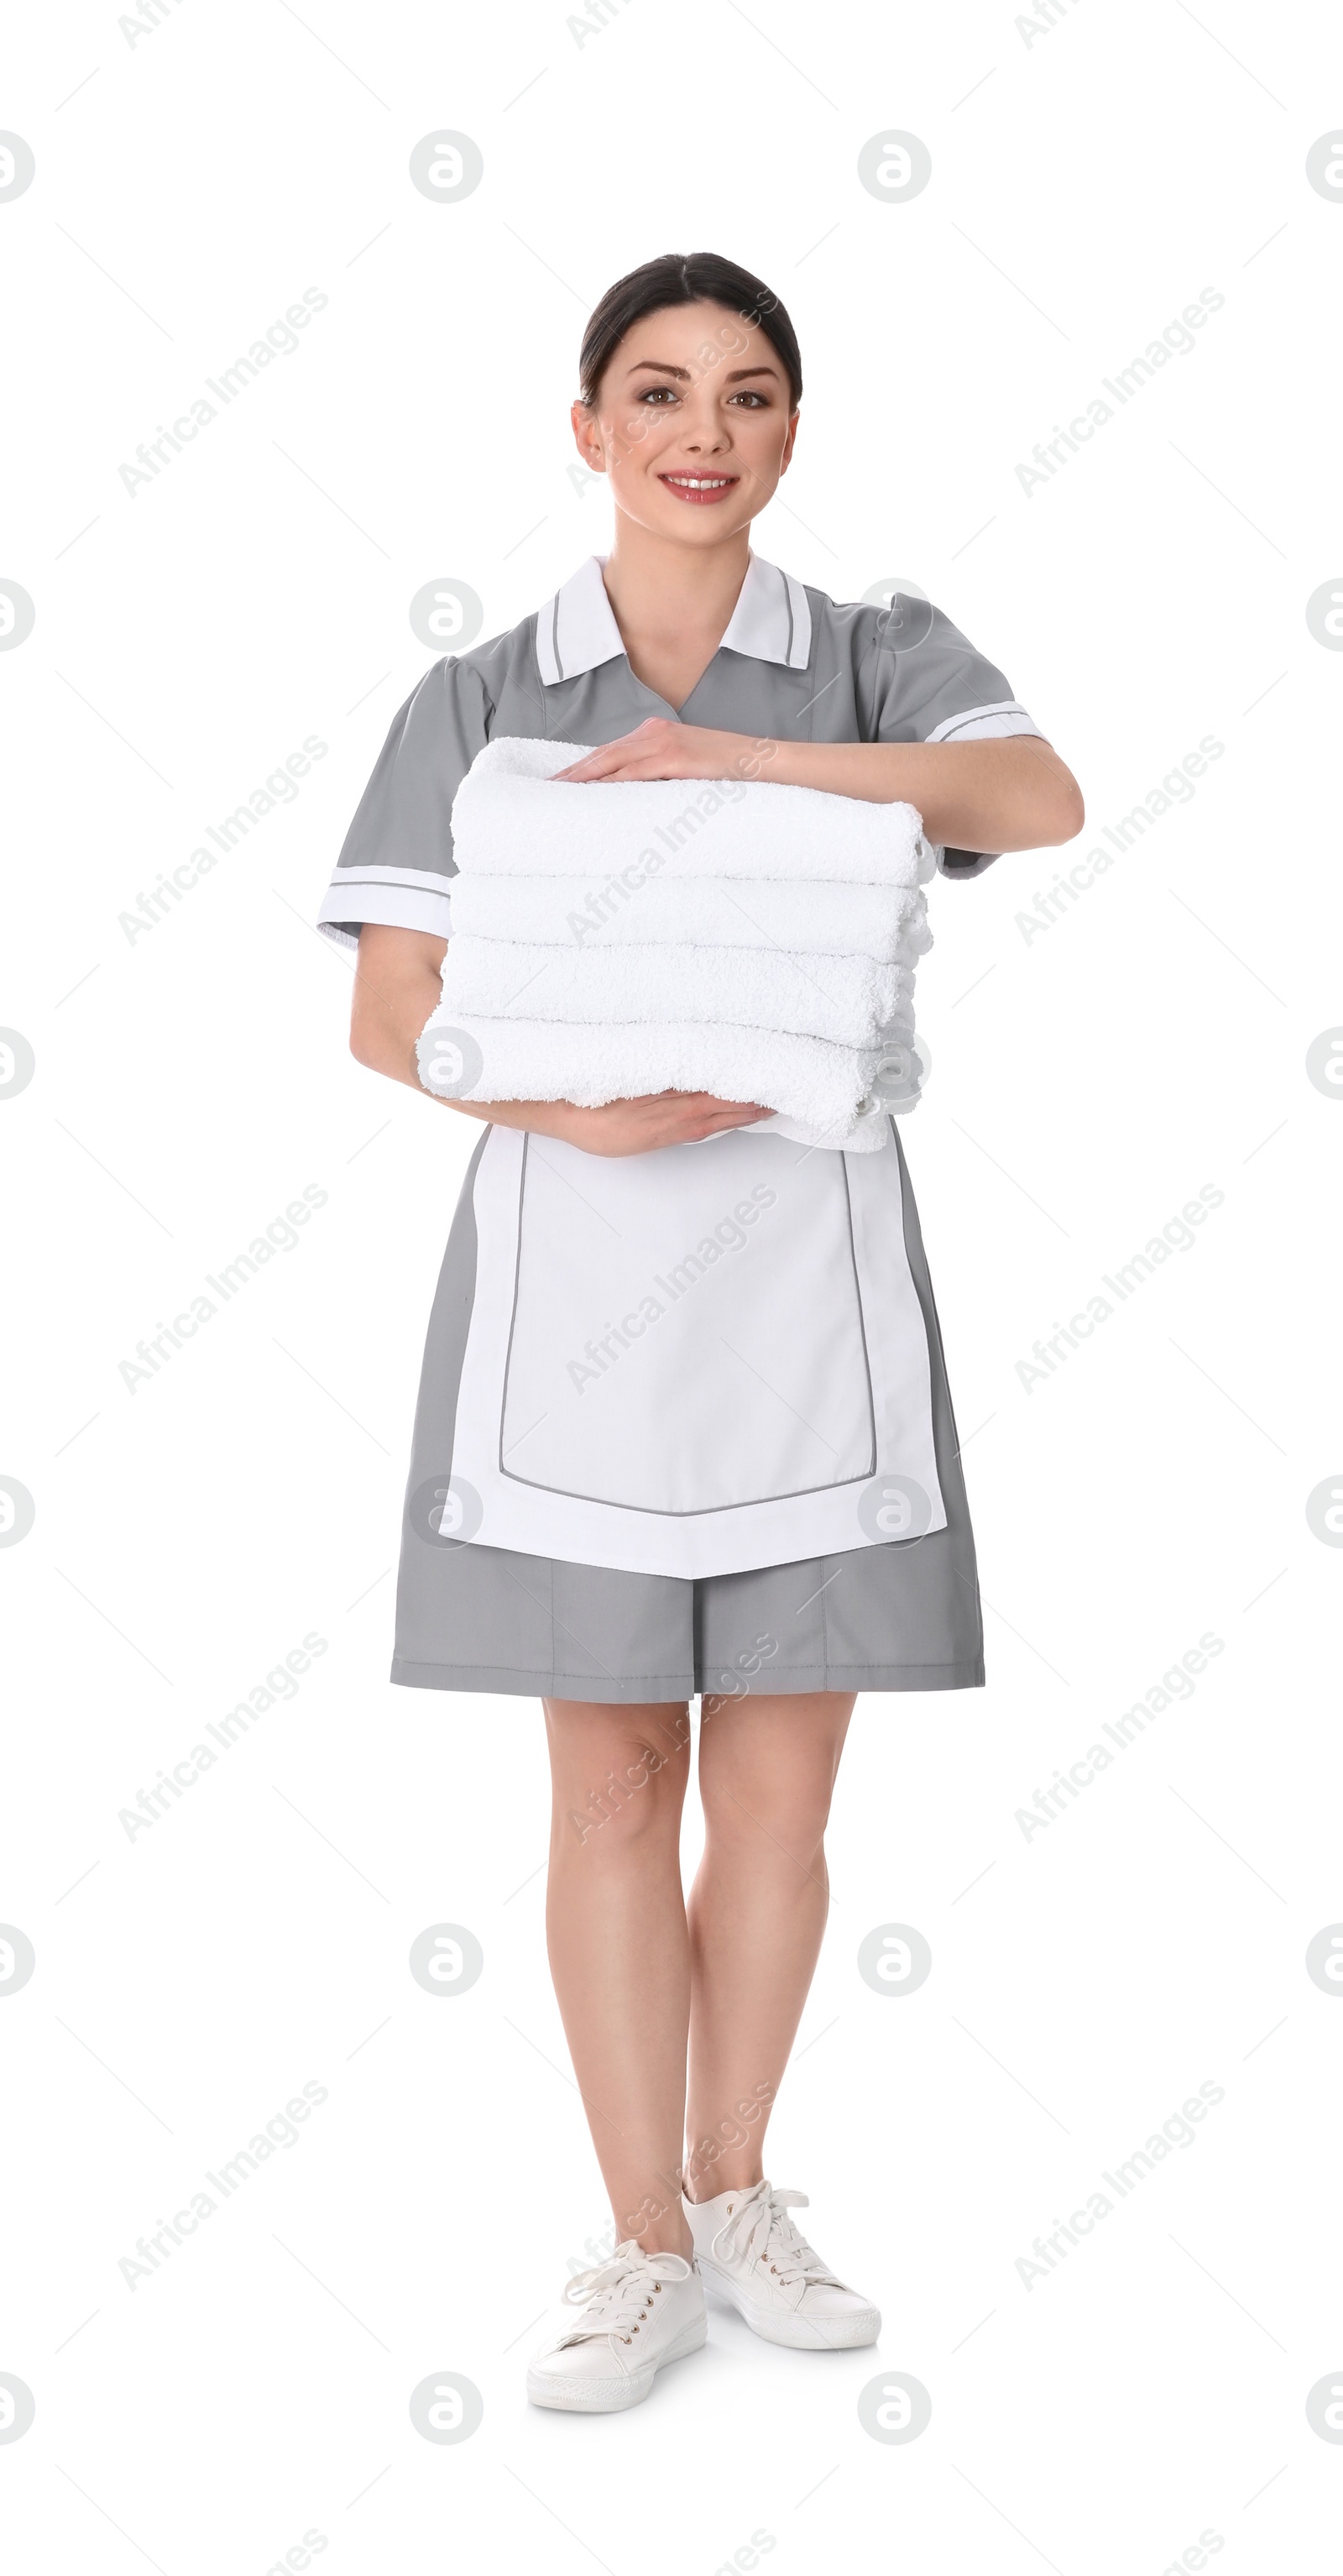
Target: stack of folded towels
[621,937]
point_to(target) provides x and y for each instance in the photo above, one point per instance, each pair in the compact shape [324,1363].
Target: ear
[588,437]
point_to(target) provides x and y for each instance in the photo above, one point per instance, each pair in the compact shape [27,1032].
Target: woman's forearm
[1010,794]
[390,1012]
[398,987]
[394,995]
[1013,793]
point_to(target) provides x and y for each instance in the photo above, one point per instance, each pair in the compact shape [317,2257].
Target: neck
[657,587]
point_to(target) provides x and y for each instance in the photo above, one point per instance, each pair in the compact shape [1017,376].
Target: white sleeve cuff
[985,724]
[397,898]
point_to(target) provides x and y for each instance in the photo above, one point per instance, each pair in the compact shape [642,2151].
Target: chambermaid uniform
[683,1423]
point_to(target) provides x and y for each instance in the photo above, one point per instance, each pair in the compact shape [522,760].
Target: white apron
[694,1361]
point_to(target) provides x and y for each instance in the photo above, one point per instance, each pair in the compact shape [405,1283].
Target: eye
[748,394]
[651,391]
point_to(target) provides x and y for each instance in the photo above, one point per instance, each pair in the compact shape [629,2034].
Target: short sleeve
[396,863]
[931,684]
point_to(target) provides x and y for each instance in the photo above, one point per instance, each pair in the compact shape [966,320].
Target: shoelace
[760,2229]
[618,2292]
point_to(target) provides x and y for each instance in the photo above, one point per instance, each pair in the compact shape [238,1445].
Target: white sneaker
[641,2310]
[750,2252]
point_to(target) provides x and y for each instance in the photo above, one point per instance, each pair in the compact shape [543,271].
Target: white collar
[577,629]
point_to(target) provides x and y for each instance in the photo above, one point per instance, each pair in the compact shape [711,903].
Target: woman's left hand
[661,748]
[1009,794]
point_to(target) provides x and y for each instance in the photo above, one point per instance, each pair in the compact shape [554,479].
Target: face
[692,423]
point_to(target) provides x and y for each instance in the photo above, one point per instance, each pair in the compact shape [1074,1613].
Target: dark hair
[692,277]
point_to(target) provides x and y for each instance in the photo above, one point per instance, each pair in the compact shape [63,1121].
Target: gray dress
[876,1614]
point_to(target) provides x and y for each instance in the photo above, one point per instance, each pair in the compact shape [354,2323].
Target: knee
[621,1788]
[744,1802]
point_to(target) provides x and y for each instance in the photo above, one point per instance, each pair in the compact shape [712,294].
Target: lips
[699,490]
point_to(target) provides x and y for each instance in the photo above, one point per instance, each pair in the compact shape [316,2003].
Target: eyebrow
[733,376]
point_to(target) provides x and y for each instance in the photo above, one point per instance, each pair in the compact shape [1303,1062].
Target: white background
[1088,180]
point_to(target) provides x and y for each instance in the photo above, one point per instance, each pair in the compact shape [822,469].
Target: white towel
[512,817]
[845,999]
[890,924]
[825,1041]
[819,1089]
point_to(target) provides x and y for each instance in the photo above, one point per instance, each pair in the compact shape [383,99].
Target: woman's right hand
[634,1126]
[397,986]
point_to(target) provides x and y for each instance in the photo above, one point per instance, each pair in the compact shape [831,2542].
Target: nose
[703,431]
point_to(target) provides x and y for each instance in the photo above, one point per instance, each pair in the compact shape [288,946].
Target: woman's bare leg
[757,1912]
[619,1946]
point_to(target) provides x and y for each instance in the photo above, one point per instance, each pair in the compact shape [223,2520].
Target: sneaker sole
[610,2396]
[842,2334]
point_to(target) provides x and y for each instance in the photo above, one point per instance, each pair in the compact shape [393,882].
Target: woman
[707,1509]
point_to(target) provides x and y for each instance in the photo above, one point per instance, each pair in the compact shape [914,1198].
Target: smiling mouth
[698,489]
